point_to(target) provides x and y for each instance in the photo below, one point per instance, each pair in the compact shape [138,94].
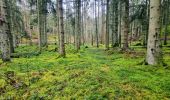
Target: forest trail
[90,74]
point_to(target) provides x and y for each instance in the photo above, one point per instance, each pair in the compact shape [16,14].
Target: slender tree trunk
[85,20]
[74,37]
[58,24]
[107,28]
[120,22]
[166,22]
[62,45]
[112,18]
[75,23]
[30,26]
[116,43]
[103,22]
[154,55]
[146,24]
[82,25]
[98,18]
[39,25]
[148,14]
[92,39]
[45,22]
[97,39]
[78,24]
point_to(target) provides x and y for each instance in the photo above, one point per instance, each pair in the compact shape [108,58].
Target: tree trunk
[112,18]
[78,24]
[154,56]
[146,24]
[8,16]
[107,28]
[120,22]
[4,39]
[97,39]
[92,39]
[62,45]
[166,22]
[103,21]
[42,7]
[82,24]
[58,24]
[116,43]
[125,24]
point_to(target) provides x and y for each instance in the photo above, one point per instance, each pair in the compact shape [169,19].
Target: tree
[17,23]
[103,22]
[9,19]
[42,10]
[119,21]
[4,29]
[116,43]
[112,19]
[146,22]
[61,25]
[78,24]
[167,3]
[97,38]
[125,24]
[154,56]
[114,25]
[107,27]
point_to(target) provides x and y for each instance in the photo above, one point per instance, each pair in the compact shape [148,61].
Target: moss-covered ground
[91,74]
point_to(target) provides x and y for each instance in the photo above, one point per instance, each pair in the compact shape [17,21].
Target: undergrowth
[91,74]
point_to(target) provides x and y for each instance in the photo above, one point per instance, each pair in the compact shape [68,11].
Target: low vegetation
[90,74]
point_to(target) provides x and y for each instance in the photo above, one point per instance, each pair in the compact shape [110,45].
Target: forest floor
[91,74]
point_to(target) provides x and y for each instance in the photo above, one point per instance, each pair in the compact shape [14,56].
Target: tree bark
[9,24]
[112,18]
[97,39]
[116,42]
[78,24]
[146,24]
[125,24]
[4,37]
[154,55]
[62,45]
[42,7]
[107,28]
[166,22]
[103,22]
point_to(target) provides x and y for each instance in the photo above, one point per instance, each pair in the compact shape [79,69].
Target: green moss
[90,74]
[2,83]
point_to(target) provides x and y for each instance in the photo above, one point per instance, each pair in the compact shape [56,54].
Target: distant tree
[103,22]
[116,36]
[119,22]
[107,27]
[145,22]
[114,23]
[61,25]
[78,24]
[42,21]
[96,24]
[166,11]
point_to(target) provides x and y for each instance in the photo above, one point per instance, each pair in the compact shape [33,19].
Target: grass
[91,74]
